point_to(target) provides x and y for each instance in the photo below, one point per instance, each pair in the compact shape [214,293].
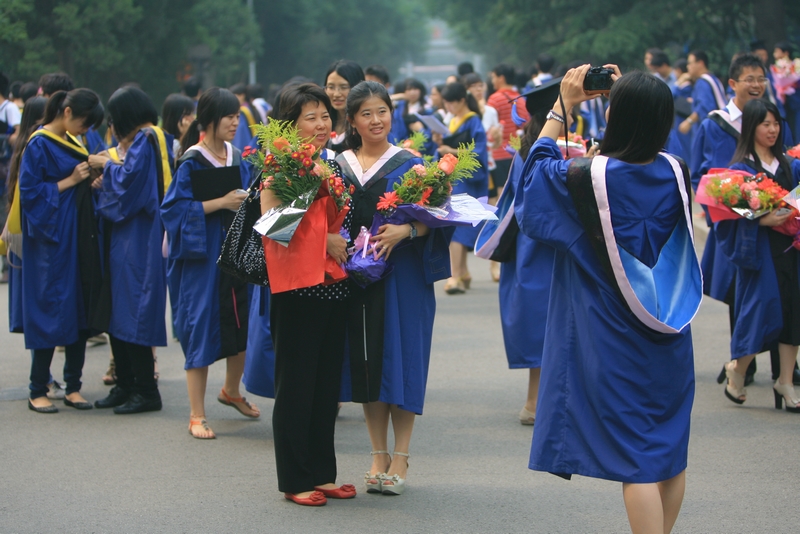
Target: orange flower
[426,195]
[282,144]
[448,164]
[388,201]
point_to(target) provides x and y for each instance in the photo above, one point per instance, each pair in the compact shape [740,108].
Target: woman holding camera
[615,399]
[767,303]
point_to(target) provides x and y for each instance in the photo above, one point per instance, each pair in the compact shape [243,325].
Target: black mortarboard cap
[543,97]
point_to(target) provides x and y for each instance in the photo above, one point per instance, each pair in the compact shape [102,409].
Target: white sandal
[735,385]
[373,482]
[394,485]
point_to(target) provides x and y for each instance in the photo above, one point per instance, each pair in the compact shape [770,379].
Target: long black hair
[413,83]
[176,107]
[214,104]
[641,112]
[32,115]
[129,108]
[531,132]
[350,71]
[84,103]
[453,92]
[754,113]
[358,95]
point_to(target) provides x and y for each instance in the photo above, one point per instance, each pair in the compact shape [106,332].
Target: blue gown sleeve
[478,135]
[738,239]
[39,199]
[703,101]
[183,218]
[543,207]
[128,188]
[703,152]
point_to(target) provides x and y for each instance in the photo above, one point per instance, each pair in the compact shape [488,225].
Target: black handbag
[242,253]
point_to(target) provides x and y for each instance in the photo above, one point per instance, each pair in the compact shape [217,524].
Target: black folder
[208,184]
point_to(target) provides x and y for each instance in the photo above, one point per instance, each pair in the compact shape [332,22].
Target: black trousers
[309,337]
[134,367]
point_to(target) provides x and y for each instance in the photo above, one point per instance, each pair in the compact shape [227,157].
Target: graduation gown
[15,317]
[615,396]
[244,132]
[524,291]
[397,372]
[757,302]
[478,185]
[130,201]
[211,307]
[54,310]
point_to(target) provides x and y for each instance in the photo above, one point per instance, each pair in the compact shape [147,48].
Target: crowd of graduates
[108,212]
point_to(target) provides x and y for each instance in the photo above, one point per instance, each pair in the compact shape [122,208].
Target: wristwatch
[413,233]
[552,115]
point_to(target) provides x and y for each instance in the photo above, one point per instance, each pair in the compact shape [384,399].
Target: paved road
[97,472]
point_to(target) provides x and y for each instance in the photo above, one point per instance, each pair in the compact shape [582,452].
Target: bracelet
[552,115]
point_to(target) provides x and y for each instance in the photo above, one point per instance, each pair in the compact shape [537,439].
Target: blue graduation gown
[195,240]
[524,292]
[478,185]
[259,364]
[757,305]
[703,99]
[243,133]
[615,397]
[53,312]
[93,141]
[410,307]
[130,201]
[15,317]
[400,131]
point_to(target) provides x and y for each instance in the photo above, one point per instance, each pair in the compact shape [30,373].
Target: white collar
[210,157]
[364,177]
[734,112]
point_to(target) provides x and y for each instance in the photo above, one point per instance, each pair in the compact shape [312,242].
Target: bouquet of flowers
[786,74]
[314,202]
[730,194]
[362,266]
[575,144]
[794,152]
[415,144]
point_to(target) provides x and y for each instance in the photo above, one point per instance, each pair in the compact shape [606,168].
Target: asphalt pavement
[99,472]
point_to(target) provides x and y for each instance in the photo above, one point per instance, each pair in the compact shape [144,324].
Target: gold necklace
[222,158]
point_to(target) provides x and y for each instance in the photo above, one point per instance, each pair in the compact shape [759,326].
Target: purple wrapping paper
[365,270]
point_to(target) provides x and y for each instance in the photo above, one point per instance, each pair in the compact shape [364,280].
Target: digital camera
[598,81]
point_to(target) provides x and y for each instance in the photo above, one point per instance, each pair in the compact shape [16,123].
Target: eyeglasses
[340,88]
[752,80]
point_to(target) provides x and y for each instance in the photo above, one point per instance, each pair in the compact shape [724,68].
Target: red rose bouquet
[786,74]
[730,194]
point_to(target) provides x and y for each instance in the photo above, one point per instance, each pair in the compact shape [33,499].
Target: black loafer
[43,409]
[116,397]
[137,404]
[81,405]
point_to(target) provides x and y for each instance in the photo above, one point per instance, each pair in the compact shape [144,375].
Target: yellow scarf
[251,120]
[162,146]
[456,123]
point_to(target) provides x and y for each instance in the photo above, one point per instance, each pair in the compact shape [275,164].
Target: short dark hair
[214,104]
[545,62]
[294,97]
[640,117]
[4,83]
[176,106]
[254,90]
[658,58]
[355,99]
[471,79]
[84,103]
[753,114]
[506,71]
[413,83]
[743,61]
[13,89]
[786,46]
[129,108]
[28,91]
[32,115]
[55,81]
[680,64]
[454,92]
[465,67]
[238,89]
[378,71]
[700,55]
[192,86]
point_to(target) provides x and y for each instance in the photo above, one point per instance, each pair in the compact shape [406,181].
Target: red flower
[269,159]
[289,182]
[301,172]
[307,162]
[388,201]
[282,144]
[247,151]
[426,195]
[296,155]
[352,189]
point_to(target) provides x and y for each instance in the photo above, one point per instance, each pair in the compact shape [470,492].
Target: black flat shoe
[137,404]
[80,405]
[43,409]
[116,397]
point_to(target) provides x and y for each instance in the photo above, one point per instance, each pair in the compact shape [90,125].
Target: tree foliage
[616,31]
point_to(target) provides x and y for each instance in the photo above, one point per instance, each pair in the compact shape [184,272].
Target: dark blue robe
[244,133]
[410,307]
[757,304]
[400,131]
[15,316]
[478,185]
[53,311]
[259,366]
[195,241]
[130,201]
[615,397]
[524,291]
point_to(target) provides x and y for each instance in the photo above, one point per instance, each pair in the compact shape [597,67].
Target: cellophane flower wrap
[786,74]
[576,145]
[731,194]
[363,266]
[313,203]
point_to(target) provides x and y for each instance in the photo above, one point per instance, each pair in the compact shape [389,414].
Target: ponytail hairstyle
[32,115]
[358,95]
[84,103]
[214,104]
[754,113]
[129,108]
[457,91]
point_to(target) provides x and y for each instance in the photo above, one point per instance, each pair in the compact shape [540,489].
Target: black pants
[74,356]
[309,337]
[134,367]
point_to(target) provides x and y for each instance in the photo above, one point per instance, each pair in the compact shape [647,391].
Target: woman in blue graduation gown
[617,379]
[767,301]
[211,306]
[129,203]
[390,322]
[465,127]
[58,250]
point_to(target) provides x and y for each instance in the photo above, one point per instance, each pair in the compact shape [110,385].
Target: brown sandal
[227,400]
[199,421]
